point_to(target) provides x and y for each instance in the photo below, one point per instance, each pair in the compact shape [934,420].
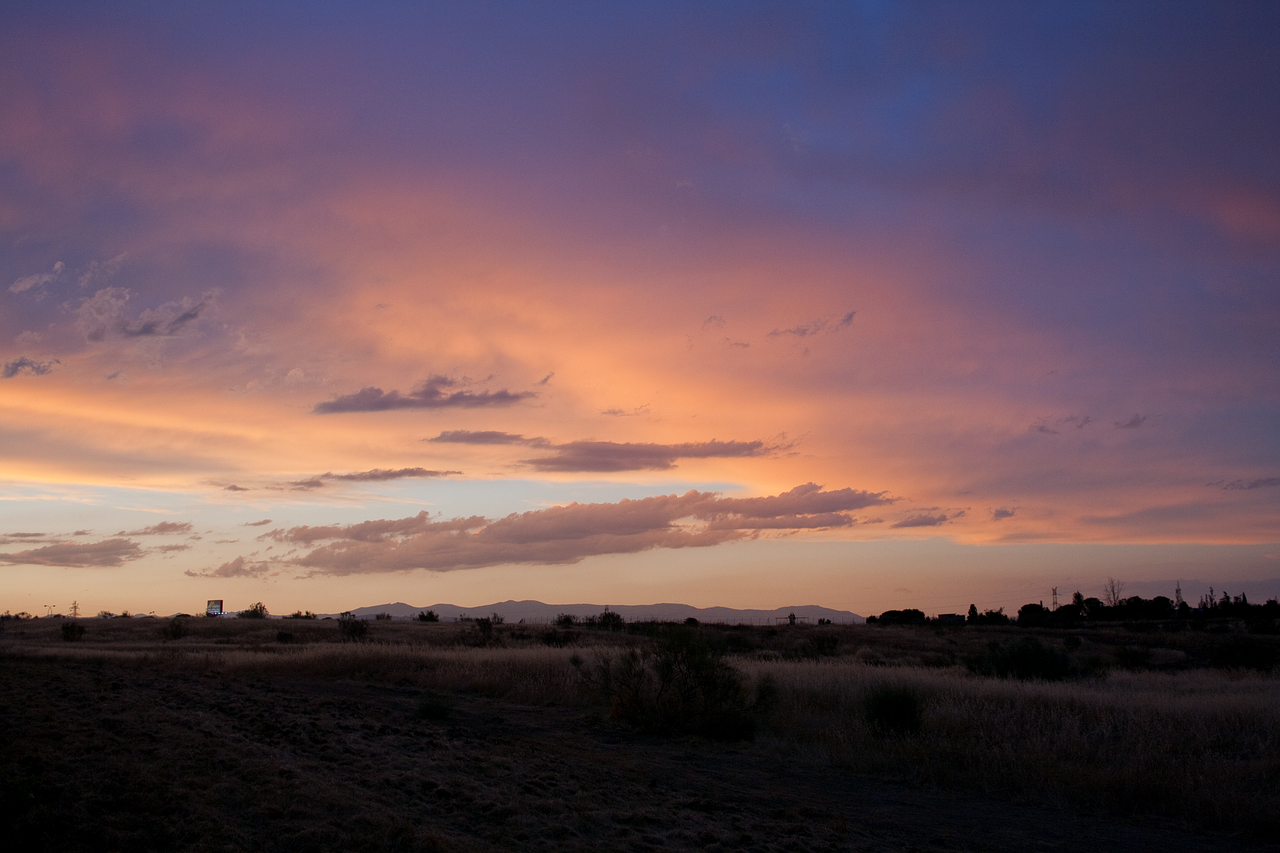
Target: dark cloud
[237,568]
[234,488]
[430,394]
[109,552]
[1044,429]
[464,436]
[828,324]
[257,523]
[604,456]
[168,548]
[312,483]
[379,474]
[623,413]
[102,316]
[922,520]
[567,534]
[164,528]
[546,379]
[1250,485]
[1133,422]
[1001,514]
[29,366]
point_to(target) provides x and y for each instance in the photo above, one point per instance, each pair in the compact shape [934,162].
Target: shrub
[557,638]
[1026,659]
[682,685]
[428,616]
[257,610]
[174,629]
[352,628]
[610,621]
[565,620]
[72,631]
[382,617]
[298,614]
[893,709]
[1245,653]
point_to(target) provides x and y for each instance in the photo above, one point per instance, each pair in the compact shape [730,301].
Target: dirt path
[105,757]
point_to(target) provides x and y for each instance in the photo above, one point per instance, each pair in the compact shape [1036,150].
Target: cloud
[375,475]
[567,534]
[29,366]
[164,528]
[257,523]
[1043,429]
[237,568]
[102,269]
[429,395]
[1000,514]
[1250,485]
[38,280]
[102,316]
[109,552]
[378,475]
[1133,422]
[463,436]
[922,520]
[604,456]
[828,324]
[234,488]
[623,413]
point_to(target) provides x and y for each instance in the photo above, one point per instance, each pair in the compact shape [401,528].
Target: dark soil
[107,756]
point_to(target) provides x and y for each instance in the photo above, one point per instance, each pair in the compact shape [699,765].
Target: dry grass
[1199,745]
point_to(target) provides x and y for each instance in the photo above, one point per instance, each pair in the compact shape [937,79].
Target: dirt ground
[98,755]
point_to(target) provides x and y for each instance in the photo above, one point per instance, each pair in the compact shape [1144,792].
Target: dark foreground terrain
[100,756]
[144,734]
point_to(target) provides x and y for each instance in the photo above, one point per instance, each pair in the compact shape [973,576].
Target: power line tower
[1055,598]
[75,610]
[1177,595]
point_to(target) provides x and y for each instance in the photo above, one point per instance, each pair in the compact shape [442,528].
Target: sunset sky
[865,305]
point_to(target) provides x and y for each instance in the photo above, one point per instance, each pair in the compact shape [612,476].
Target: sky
[866,305]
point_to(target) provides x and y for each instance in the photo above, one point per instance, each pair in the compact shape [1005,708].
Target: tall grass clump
[680,684]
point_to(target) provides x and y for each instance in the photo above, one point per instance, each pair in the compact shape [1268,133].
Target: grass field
[1163,728]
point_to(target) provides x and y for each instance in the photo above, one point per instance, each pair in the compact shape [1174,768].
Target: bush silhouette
[352,628]
[428,616]
[893,709]
[1026,659]
[1240,653]
[682,685]
[174,629]
[72,631]
[257,610]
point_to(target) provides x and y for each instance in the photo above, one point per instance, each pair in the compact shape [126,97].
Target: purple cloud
[109,552]
[29,366]
[567,534]
[428,395]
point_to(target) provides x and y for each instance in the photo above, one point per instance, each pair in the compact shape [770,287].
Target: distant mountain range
[537,612]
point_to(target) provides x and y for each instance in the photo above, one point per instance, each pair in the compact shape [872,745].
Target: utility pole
[1055,598]
[49,609]
[75,610]
[1177,595]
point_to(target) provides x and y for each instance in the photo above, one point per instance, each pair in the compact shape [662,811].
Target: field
[265,734]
